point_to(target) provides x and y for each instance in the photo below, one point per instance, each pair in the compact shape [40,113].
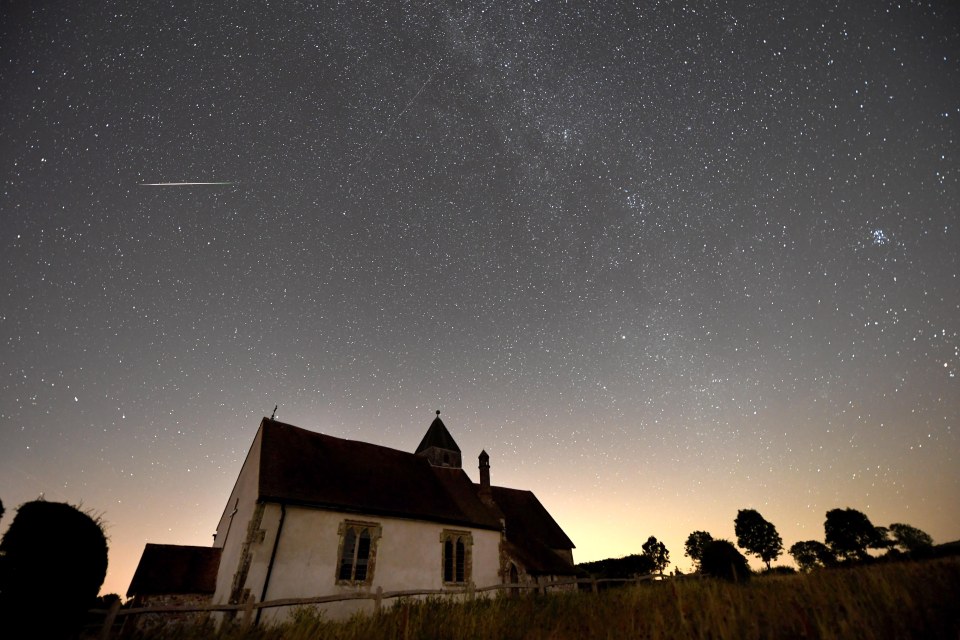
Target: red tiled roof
[304,467]
[171,568]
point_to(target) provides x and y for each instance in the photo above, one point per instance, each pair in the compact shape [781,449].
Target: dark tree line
[654,559]
[849,535]
[631,566]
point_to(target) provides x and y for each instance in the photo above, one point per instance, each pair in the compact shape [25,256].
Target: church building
[314,515]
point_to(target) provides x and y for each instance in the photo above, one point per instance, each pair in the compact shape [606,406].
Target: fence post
[247,612]
[378,600]
[110,619]
[593,585]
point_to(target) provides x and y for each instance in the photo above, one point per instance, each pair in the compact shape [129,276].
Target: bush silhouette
[54,559]
[627,567]
[722,560]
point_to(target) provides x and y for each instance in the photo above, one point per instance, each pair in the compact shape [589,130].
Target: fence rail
[378,596]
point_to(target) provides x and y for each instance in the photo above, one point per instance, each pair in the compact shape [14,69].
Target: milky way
[662,261]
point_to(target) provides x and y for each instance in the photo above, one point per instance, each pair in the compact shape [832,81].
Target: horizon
[674,542]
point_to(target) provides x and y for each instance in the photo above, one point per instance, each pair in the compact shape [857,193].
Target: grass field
[882,601]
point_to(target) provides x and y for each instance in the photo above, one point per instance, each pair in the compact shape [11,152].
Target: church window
[514,579]
[457,552]
[358,551]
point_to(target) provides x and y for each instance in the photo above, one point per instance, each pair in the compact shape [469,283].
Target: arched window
[457,556]
[357,552]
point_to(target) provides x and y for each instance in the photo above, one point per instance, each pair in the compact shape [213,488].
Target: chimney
[485,493]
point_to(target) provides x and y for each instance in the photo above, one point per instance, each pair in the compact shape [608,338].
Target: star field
[662,261]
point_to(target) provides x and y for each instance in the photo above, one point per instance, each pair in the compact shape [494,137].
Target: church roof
[532,533]
[527,519]
[438,436]
[303,467]
[171,568]
[306,468]
[539,560]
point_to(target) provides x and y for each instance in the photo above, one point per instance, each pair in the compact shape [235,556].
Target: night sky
[662,260]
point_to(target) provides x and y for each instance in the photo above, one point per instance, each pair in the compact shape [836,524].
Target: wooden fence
[249,608]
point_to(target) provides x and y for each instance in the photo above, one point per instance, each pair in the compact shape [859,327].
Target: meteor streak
[180,184]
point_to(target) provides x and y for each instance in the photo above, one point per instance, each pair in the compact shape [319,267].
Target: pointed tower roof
[438,436]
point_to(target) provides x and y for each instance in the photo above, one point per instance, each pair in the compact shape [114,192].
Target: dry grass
[889,601]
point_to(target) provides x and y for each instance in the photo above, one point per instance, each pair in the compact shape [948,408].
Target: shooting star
[181,184]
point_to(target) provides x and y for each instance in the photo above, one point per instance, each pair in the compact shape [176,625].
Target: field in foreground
[884,601]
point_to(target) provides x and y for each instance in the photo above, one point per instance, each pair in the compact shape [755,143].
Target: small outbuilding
[173,575]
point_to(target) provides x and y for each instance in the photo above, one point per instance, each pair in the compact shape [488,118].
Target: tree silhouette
[910,539]
[722,560]
[757,536]
[849,533]
[52,553]
[883,540]
[811,554]
[657,552]
[696,541]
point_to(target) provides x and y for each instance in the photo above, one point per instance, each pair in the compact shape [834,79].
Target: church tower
[439,447]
